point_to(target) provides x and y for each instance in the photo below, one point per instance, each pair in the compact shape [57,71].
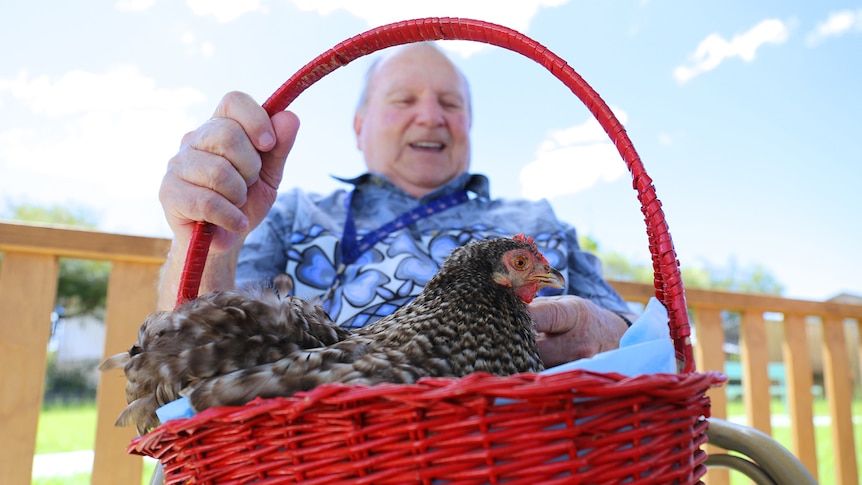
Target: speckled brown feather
[215,334]
[465,320]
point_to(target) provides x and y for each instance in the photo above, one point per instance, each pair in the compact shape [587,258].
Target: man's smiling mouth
[428,145]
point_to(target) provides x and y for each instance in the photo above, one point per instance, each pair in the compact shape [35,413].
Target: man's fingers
[212,172]
[254,120]
[286,125]
[216,173]
[552,315]
[185,202]
[226,139]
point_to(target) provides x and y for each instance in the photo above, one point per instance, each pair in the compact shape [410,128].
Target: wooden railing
[28,280]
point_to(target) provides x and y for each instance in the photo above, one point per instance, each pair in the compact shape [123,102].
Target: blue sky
[745,114]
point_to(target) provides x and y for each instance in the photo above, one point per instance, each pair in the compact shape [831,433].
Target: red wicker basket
[574,427]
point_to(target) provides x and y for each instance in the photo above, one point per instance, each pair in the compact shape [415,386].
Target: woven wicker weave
[573,427]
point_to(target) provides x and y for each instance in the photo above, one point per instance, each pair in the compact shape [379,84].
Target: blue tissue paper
[181,408]
[645,348]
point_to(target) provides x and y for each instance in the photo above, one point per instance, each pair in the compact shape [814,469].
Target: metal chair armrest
[771,463]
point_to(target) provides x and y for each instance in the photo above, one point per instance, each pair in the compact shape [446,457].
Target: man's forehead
[407,52]
[398,84]
[395,73]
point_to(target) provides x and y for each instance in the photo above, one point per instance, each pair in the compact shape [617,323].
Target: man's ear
[358,120]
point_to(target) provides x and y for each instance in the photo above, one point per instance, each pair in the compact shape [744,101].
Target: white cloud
[665,139]
[577,157]
[714,49]
[515,14]
[79,92]
[207,50]
[194,47]
[838,23]
[224,10]
[103,138]
[134,5]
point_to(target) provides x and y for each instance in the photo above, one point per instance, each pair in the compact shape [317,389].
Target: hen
[226,348]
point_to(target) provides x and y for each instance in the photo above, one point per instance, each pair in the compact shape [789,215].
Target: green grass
[71,428]
[66,428]
[821,407]
[77,479]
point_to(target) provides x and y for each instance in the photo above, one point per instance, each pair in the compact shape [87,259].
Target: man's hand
[227,171]
[571,328]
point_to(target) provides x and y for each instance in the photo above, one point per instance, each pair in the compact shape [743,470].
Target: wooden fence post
[123,318]
[28,287]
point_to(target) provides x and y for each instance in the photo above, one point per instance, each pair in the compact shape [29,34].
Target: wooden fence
[28,281]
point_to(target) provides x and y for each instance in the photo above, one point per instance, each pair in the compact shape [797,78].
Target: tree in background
[81,290]
[82,285]
[731,277]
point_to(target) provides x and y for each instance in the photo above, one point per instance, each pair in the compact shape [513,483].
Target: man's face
[414,127]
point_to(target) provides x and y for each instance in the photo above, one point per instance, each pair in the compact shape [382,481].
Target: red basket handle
[668,280]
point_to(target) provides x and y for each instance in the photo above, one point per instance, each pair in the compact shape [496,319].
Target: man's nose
[429,112]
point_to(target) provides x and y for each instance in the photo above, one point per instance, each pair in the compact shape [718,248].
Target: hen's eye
[519,262]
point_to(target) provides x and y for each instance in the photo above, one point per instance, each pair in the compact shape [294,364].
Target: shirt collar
[476,183]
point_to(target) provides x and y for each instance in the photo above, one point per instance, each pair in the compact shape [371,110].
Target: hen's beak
[550,278]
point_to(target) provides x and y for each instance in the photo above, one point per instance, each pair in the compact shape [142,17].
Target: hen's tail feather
[142,413]
[116,361]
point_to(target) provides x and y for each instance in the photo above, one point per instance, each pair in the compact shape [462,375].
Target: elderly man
[366,251]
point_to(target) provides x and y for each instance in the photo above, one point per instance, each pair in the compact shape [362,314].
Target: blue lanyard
[352,248]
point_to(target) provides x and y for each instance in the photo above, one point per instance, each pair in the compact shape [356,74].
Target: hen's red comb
[524,239]
[521,238]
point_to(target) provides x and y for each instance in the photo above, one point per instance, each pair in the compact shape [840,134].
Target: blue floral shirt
[302,235]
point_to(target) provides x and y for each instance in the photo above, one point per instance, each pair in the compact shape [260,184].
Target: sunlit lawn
[73,428]
[65,428]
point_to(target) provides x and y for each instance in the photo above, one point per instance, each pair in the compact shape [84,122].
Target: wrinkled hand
[571,328]
[227,171]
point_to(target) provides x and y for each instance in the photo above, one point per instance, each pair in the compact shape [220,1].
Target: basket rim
[431,390]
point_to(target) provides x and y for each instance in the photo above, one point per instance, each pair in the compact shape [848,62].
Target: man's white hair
[391,52]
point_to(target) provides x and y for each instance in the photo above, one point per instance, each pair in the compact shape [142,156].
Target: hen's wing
[216,334]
